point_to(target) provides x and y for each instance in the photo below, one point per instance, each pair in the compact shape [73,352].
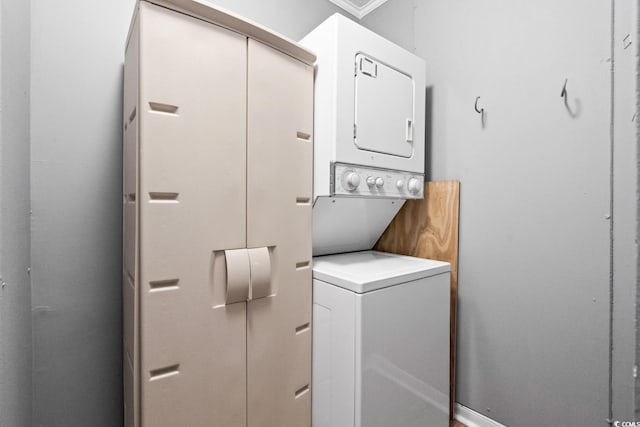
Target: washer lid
[370,270]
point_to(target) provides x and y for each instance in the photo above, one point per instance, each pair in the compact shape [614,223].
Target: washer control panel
[355,180]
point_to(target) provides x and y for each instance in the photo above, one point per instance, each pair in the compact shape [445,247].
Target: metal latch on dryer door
[409,130]
[248,274]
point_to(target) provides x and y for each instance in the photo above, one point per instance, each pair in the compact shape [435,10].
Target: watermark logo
[626,424]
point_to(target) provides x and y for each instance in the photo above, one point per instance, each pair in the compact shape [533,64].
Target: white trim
[370,7]
[471,418]
[358,12]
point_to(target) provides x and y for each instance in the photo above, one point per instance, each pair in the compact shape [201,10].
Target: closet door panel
[192,208]
[279,191]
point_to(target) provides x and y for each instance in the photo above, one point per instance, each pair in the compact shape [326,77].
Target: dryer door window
[384,110]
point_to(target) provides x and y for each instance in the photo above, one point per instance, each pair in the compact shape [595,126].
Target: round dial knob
[350,180]
[400,184]
[413,185]
[371,181]
[379,182]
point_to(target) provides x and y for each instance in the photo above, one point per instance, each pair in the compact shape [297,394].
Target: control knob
[413,185]
[379,182]
[371,181]
[400,184]
[350,180]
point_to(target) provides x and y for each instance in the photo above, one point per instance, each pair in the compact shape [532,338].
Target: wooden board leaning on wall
[428,228]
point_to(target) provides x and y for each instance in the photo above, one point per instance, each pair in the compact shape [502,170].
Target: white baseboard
[471,418]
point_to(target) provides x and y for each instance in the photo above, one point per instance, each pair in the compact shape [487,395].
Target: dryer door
[384,108]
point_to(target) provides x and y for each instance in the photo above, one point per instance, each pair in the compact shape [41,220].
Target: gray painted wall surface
[394,20]
[637,281]
[76,187]
[534,273]
[291,18]
[533,284]
[15,286]
[625,213]
[534,235]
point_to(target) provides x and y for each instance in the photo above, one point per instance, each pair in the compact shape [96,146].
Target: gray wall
[291,18]
[625,205]
[534,240]
[15,291]
[76,157]
[535,199]
[637,281]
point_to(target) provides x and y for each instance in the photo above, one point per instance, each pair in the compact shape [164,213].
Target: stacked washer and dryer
[380,321]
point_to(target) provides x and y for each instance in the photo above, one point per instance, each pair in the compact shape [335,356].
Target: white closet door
[279,190]
[192,208]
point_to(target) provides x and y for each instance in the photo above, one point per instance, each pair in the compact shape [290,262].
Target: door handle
[238,275]
[260,261]
[248,274]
